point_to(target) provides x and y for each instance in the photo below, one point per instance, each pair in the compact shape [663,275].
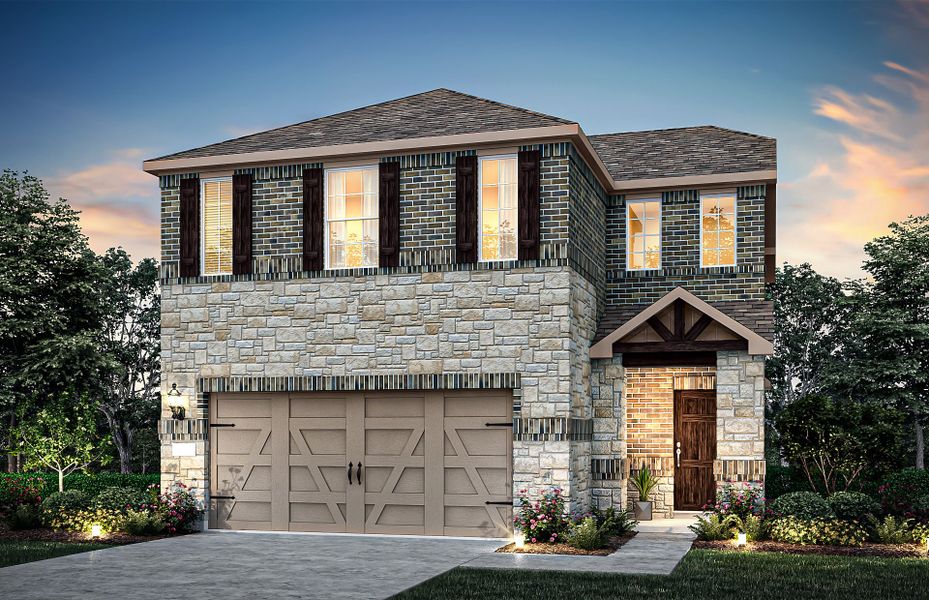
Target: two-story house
[397,318]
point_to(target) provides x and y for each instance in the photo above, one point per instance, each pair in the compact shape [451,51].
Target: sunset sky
[90,90]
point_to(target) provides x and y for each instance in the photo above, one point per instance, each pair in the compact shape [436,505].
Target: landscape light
[519,540]
[95,530]
[741,539]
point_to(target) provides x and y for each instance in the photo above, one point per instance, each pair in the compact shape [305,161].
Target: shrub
[142,523]
[586,535]
[180,511]
[780,480]
[819,531]
[741,501]
[68,500]
[853,505]
[892,530]
[919,533]
[84,519]
[120,499]
[89,483]
[806,505]
[754,527]
[900,493]
[613,522]
[15,491]
[543,520]
[714,527]
[24,516]
[921,508]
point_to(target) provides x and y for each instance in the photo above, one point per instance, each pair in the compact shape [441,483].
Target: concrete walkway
[245,565]
[656,550]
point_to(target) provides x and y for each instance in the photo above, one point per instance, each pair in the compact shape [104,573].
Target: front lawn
[14,552]
[709,574]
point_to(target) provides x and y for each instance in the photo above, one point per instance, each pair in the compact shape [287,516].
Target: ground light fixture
[95,530]
[519,540]
[741,539]
[177,403]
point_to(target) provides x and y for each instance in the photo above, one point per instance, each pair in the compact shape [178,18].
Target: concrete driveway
[245,565]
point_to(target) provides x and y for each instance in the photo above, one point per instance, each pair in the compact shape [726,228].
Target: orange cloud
[880,174]
[119,203]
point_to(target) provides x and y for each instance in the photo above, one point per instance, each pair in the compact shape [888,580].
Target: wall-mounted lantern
[177,402]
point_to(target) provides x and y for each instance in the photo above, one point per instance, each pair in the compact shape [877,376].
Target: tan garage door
[435,463]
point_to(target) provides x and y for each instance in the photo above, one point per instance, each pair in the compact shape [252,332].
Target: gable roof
[704,150]
[438,112]
[633,317]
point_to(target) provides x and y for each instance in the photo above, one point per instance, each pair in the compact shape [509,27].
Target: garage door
[434,463]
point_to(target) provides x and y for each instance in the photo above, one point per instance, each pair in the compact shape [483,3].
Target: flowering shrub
[741,501]
[15,491]
[902,490]
[177,508]
[543,520]
[832,532]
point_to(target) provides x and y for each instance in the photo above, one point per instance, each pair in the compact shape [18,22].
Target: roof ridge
[691,127]
[511,106]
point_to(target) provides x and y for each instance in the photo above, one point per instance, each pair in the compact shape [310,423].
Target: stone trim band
[354,383]
[739,470]
[607,469]
[552,429]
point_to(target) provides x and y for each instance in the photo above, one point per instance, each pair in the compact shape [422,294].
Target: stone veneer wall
[650,422]
[608,449]
[534,322]
[740,418]
[680,259]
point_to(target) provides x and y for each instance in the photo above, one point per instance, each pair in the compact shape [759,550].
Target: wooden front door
[694,448]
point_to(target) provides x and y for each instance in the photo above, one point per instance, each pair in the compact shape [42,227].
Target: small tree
[835,442]
[62,436]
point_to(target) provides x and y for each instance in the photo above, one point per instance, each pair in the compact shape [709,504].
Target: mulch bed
[74,537]
[613,543]
[874,550]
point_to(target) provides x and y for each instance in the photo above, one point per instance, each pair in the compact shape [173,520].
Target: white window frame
[655,199]
[735,227]
[377,201]
[203,183]
[480,206]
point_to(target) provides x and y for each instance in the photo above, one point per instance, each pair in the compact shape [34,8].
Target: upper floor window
[351,218]
[643,224]
[717,230]
[498,208]
[216,220]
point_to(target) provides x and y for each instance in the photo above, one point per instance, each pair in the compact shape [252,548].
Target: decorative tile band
[184,430]
[290,267]
[174,181]
[280,171]
[680,196]
[429,160]
[346,383]
[607,469]
[550,150]
[552,429]
[751,192]
[620,274]
[739,470]
[695,382]
[658,465]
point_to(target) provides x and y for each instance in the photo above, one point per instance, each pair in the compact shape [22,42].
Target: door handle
[677,452]
[357,474]
[349,473]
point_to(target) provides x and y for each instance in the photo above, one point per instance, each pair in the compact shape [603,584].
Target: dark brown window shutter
[466,233]
[389,217]
[312,219]
[529,172]
[242,224]
[190,227]
[770,232]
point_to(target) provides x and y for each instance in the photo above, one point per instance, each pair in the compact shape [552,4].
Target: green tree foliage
[62,437]
[885,355]
[128,393]
[834,442]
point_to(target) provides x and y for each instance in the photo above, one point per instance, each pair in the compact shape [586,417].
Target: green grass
[16,552]
[702,574]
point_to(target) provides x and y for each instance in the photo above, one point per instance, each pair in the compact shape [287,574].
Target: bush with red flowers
[177,507]
[741,501]
[545,520]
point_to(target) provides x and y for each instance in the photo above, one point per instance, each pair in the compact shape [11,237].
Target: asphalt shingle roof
[704,150]
[434,113]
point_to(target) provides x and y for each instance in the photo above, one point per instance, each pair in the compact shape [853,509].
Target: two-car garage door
[434,462]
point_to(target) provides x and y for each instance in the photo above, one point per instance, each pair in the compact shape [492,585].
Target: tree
[834,442]
[50,308]
[886,354]
[129,396]
[810,315]
[62,436]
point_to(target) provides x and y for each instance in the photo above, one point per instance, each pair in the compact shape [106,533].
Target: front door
[694,448]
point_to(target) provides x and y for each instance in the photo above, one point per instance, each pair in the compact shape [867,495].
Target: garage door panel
[431,463]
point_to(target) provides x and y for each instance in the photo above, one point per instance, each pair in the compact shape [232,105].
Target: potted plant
[644,483]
